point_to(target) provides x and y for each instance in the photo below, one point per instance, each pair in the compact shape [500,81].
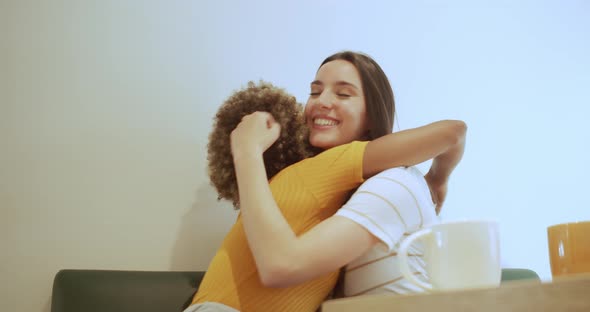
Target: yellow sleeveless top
[307,193]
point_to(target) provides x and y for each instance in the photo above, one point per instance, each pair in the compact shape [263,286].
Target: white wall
[105,109]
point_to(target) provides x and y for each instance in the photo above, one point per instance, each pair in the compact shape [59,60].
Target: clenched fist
[254,134]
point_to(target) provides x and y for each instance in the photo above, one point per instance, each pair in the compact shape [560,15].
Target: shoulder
[343,162]
[355,148]
[342,159]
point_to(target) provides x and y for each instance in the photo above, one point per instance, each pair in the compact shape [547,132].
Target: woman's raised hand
[438,190]
[254,134]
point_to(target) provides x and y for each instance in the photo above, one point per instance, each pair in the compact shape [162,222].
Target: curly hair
[291,146]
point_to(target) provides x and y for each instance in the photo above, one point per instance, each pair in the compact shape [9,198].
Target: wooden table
[571,293]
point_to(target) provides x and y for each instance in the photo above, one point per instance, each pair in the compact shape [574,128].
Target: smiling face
[336,112]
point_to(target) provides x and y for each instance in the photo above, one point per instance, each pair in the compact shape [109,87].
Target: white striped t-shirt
[390,205]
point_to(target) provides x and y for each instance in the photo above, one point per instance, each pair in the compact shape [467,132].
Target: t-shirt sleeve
[389,205]
[337,170]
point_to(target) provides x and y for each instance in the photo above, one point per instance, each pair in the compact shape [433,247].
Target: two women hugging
[291,172]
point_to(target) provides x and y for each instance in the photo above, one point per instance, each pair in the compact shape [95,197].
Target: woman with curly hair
[291,146]
[287,246]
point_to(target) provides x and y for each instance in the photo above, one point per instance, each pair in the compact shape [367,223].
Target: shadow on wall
[202,230]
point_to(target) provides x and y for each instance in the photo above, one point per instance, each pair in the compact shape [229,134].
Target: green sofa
[142,291]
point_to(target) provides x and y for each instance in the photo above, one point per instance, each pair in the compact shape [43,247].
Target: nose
[324,100]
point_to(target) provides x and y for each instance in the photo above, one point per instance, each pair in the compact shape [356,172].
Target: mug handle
[403,259]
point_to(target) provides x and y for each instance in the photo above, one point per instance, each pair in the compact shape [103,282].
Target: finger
[439,205]
[275,129]
[270,122]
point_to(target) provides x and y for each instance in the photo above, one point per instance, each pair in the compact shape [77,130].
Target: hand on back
[254,134]
[438,190]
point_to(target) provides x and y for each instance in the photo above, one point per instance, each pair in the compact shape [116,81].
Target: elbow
[277,275]
[457,131]
[273,281]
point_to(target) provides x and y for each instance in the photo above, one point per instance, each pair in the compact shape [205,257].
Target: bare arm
[442,140]
[282,258]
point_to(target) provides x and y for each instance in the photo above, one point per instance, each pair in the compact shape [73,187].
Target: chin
[322,143]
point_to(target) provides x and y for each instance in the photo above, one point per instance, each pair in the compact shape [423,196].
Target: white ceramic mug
[458,255]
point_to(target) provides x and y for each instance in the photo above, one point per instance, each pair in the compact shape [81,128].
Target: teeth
[324,122]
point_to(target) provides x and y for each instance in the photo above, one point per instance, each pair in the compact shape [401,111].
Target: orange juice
[569,248]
